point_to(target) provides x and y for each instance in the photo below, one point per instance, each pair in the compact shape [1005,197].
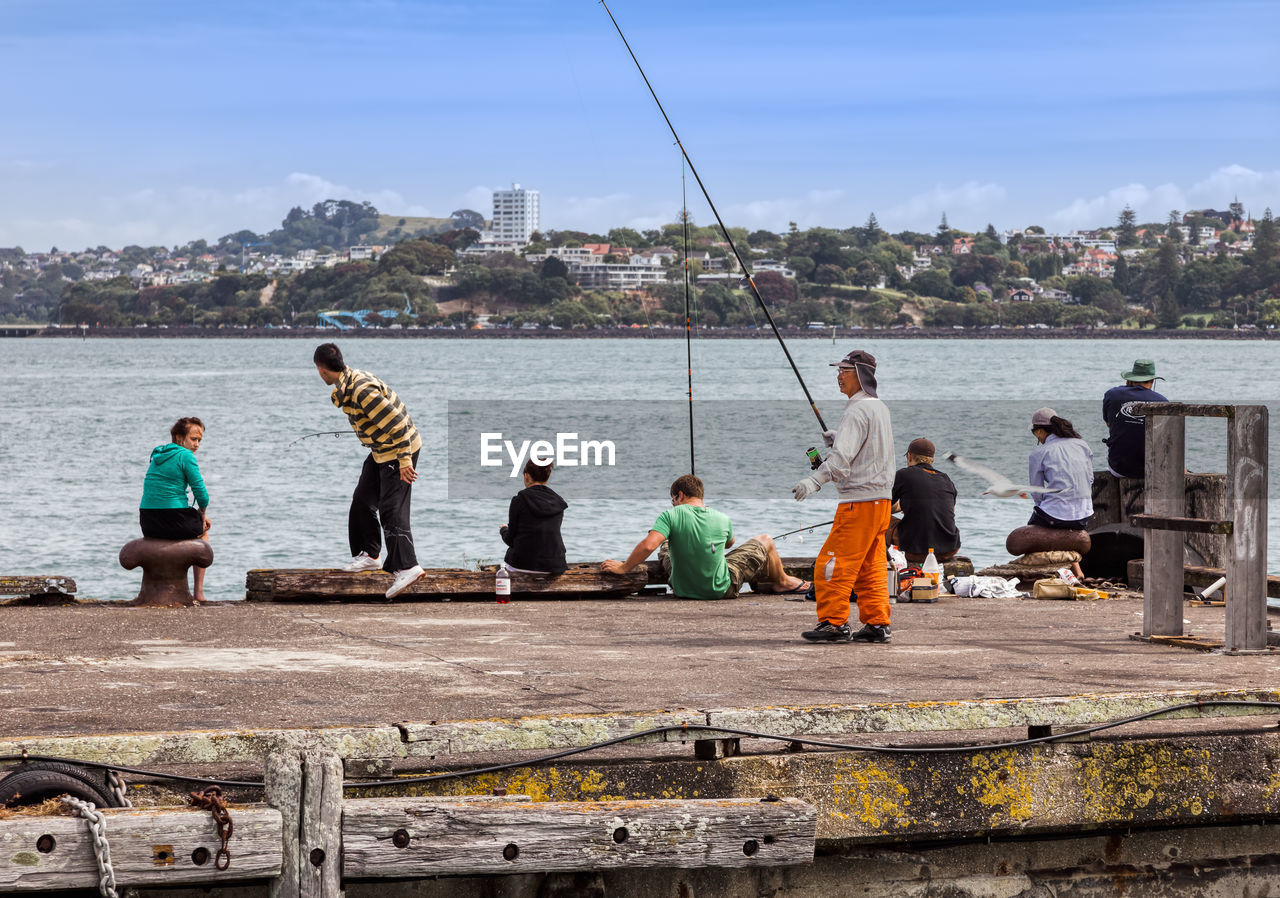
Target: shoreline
[21,331]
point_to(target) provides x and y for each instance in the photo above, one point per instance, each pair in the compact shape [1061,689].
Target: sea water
[78,420]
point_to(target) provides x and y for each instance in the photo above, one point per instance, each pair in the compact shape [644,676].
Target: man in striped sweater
[385,488]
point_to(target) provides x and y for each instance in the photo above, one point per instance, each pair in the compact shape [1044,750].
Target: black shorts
[171,523]
[1040,519]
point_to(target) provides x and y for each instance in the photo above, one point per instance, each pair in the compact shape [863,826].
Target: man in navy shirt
[1126,445]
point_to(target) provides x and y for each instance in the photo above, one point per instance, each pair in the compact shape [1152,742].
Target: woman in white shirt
[1062,463]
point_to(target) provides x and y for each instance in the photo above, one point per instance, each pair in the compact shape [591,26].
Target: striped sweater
[377,416]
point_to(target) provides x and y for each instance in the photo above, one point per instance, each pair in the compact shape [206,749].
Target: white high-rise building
[516,214]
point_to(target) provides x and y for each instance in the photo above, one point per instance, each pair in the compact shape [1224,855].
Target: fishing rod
[322,433]
[688,326]
[751,281]
[804,529]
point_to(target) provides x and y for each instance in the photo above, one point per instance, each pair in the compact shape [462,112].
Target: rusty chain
[211,800]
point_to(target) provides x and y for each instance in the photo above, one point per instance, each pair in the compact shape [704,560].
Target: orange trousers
[857,539]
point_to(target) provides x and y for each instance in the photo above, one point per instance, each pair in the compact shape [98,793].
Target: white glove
[828,438]
[804,488]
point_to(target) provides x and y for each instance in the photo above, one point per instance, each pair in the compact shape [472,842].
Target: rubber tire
[33,783]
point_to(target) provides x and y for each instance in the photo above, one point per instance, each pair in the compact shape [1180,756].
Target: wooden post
[1247,508]
[320,842]
[1166,474]
[283,786]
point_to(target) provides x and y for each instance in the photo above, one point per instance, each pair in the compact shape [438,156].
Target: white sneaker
[363,562]
[405,579]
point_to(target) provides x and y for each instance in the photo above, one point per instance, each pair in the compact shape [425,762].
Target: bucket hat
[1144,371]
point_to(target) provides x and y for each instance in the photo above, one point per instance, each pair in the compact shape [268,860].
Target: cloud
[171,216]
[968,206]
[1256,190]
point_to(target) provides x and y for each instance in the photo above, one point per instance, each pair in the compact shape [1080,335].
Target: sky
[135,121]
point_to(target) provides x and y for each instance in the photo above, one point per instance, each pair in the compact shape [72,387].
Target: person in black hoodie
[533,525]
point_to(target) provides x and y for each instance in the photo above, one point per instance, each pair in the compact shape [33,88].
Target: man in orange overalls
[860,466]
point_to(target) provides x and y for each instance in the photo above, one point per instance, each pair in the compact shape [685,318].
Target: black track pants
[382,496]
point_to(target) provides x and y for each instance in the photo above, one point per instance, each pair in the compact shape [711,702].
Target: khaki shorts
[746,563]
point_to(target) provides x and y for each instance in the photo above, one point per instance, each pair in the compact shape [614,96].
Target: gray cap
[1043,417]
[864,363]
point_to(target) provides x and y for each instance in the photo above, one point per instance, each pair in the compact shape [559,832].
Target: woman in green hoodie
[165,511]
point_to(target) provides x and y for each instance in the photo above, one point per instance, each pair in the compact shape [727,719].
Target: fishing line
[751,281]
[322,433]
[804,529]
[688,326]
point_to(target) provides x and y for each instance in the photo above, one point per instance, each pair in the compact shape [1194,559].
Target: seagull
[999,484]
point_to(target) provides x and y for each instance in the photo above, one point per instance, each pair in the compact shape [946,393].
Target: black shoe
[872,633]
[827,632]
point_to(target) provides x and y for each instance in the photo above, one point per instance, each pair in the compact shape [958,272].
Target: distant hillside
[395,227]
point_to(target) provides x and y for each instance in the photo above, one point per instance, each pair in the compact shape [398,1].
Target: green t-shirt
[695,538]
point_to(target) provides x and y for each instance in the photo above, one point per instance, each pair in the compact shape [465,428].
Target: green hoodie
[173,469]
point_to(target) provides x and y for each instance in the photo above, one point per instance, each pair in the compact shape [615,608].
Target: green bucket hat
[1144,371]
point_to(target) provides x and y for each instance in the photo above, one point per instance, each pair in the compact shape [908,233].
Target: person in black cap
[926,498]
[1126,443]
[860,465]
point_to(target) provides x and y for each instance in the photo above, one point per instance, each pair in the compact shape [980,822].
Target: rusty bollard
[164,564]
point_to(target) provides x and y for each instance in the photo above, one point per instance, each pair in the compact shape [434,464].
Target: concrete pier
[379,690]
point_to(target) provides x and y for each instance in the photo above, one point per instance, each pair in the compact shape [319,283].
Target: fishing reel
[815,458]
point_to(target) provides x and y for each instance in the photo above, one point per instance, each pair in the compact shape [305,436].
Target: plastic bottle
[932,570]
[830,570]
[897,558]
[502,584]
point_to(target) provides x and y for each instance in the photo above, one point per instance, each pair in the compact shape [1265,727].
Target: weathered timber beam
[148,848]
[1183,409]
[876,797]
[434,740]
[297,584]
[1180,524]
[25,586]
[391,837]
[1196,575]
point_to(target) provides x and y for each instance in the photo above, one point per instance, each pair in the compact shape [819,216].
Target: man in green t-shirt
[694,557]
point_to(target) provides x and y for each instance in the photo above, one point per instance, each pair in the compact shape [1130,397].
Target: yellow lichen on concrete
[999,781]
[870,793]
[1123,779]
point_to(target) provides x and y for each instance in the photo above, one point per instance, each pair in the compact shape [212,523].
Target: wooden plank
[399,837]
[1184,409]
[282,781]
[36,585]
[1166,497]
[300,584]
[151,847]
[1180,524]
[1196,576]
[1198,643]
[1246,590]
[320,844]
